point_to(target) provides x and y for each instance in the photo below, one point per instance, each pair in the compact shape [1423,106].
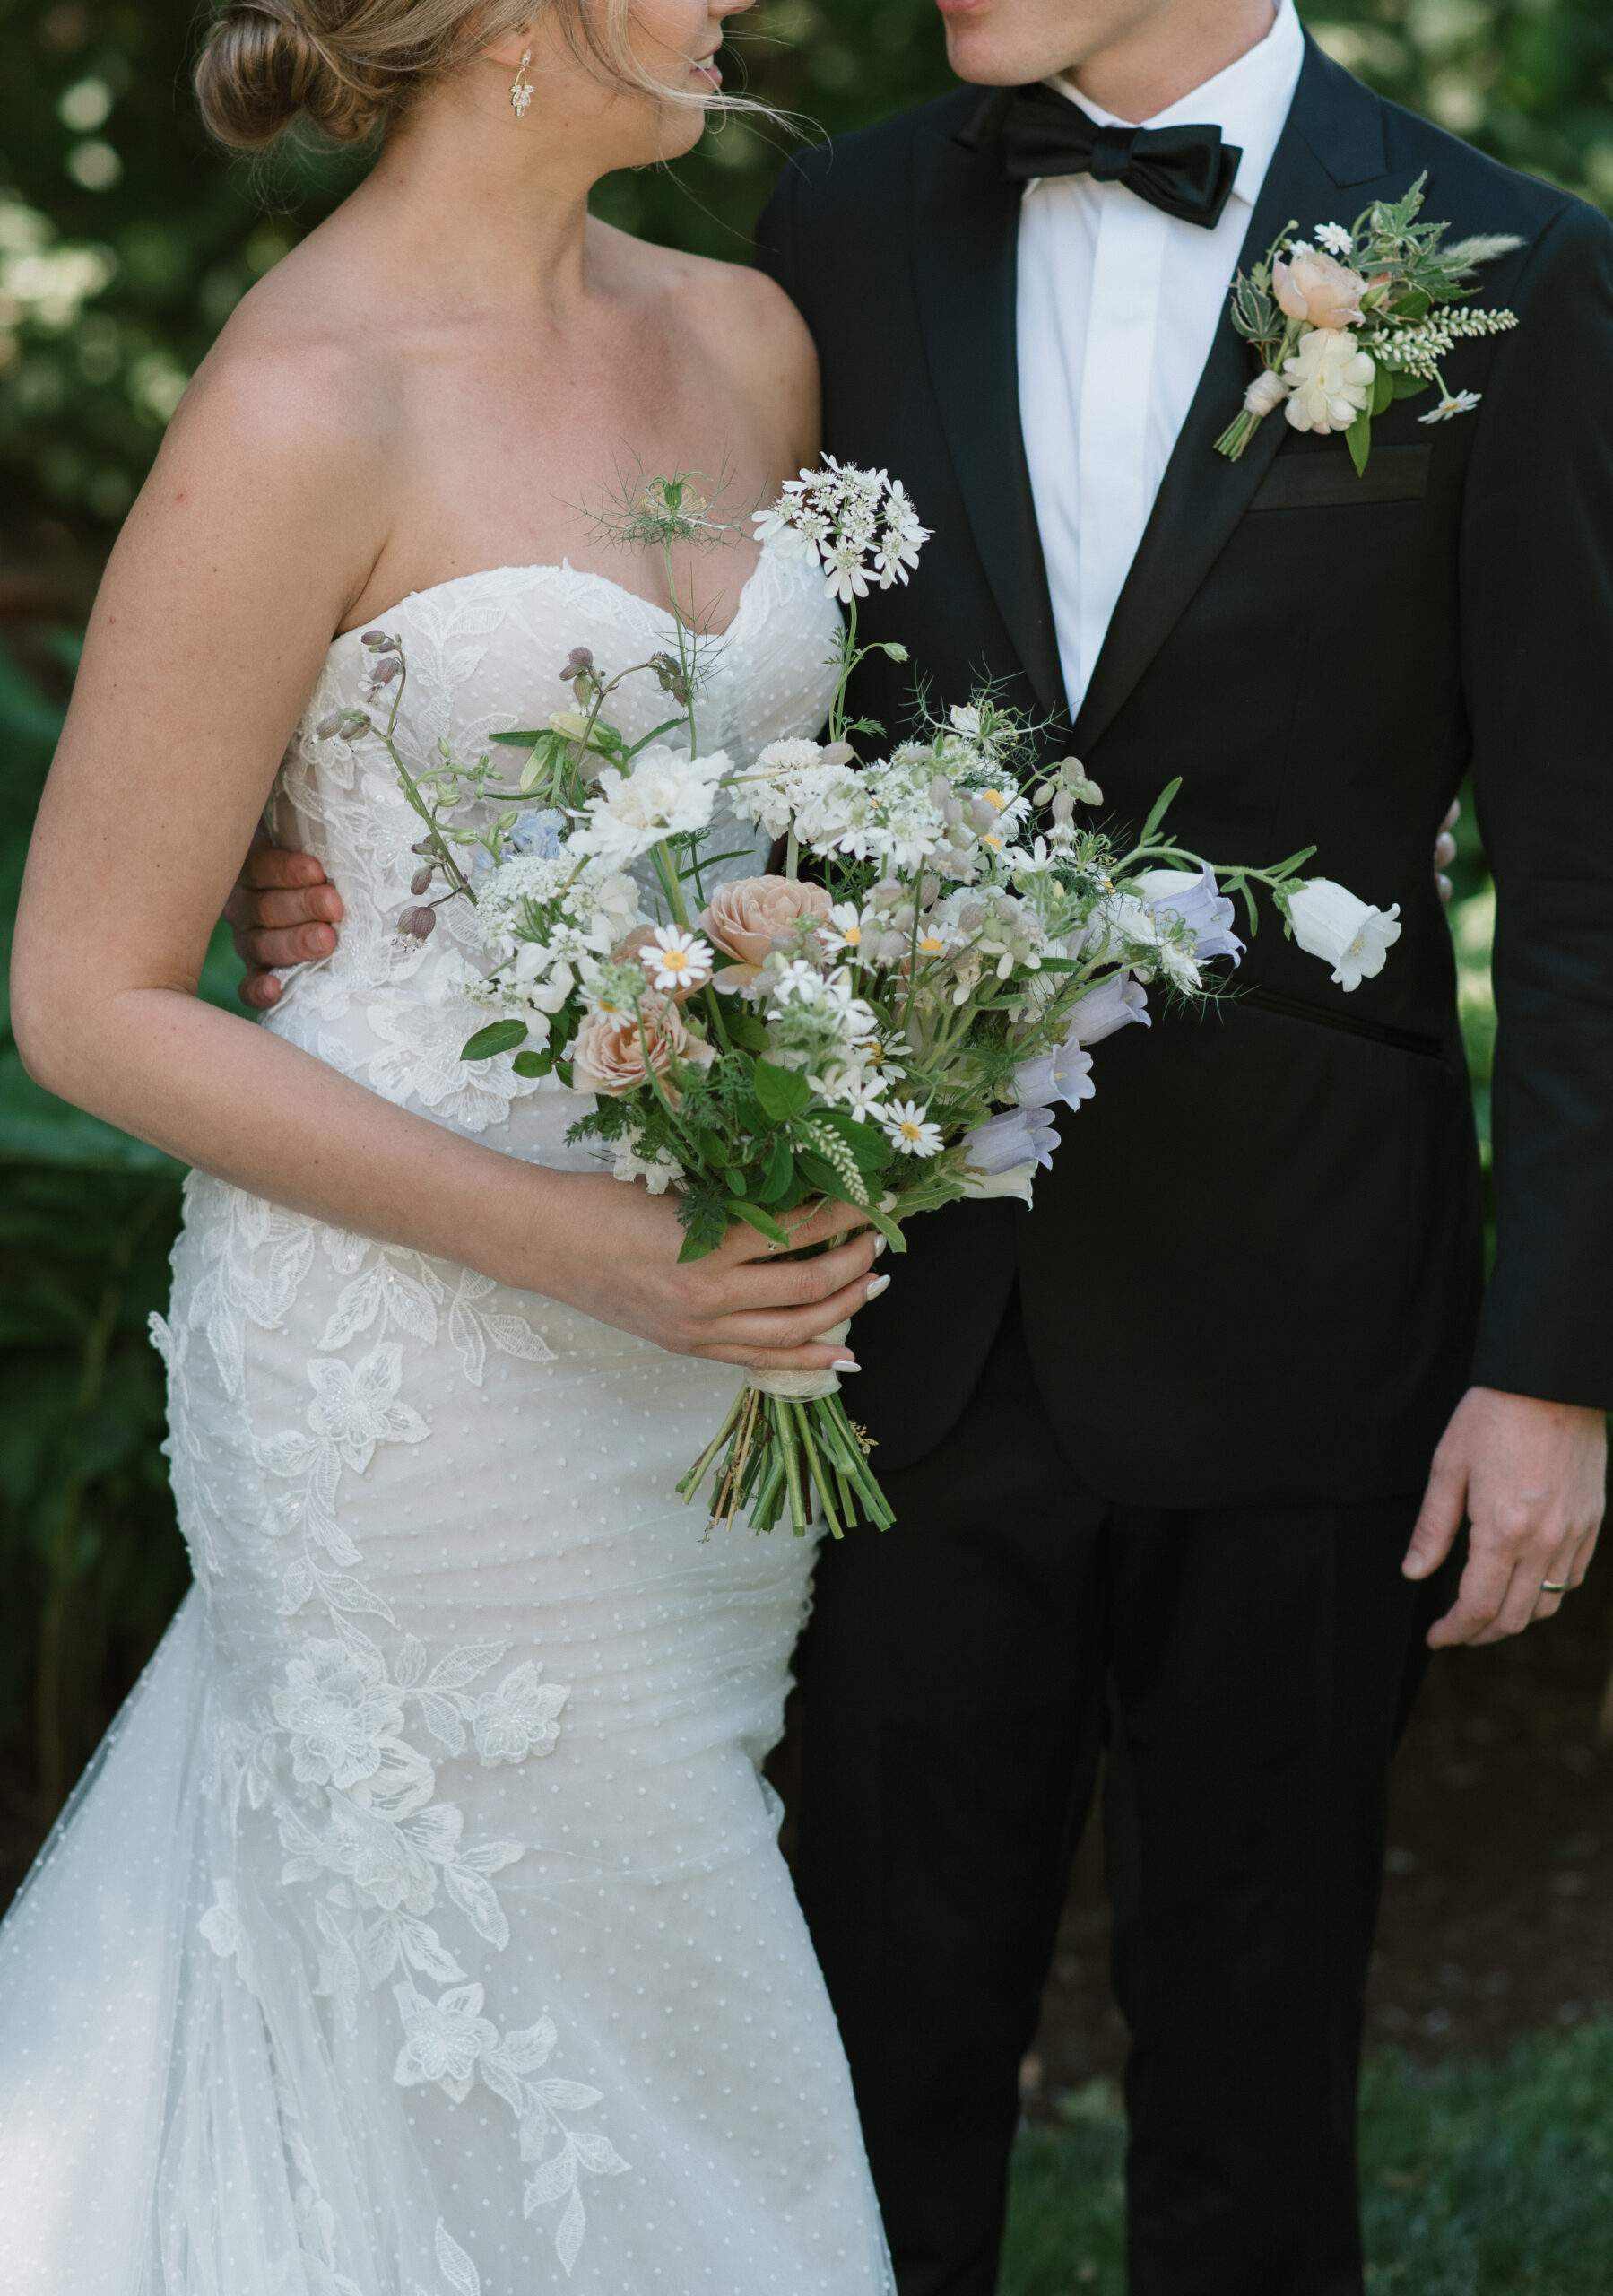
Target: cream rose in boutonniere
[1318,288]
[1344,327]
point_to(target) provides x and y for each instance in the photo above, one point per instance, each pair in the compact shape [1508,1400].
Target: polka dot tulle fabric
[419,1930]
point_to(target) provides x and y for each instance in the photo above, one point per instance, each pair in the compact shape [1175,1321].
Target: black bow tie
[1187,171]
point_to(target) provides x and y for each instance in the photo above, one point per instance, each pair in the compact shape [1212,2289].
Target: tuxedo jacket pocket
[1329,480]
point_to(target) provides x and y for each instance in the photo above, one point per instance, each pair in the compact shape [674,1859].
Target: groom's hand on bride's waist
[281,912]
[1530,1478]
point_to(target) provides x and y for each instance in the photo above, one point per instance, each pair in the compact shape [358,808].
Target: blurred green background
[124,242]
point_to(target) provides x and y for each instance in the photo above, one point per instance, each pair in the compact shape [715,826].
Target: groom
[1160,1451]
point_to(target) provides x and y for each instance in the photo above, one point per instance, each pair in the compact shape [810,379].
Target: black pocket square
[1329,480]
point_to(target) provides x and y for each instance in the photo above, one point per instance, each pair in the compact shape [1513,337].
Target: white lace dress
[420,1929]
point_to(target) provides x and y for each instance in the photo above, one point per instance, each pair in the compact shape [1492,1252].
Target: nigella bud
[329,728]
[377,641]
[418,924]
[420,883]
[385,672]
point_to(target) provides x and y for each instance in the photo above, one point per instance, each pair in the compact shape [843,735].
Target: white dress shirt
[1118,306]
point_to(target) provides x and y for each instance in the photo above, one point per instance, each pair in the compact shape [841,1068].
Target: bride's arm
[254,534]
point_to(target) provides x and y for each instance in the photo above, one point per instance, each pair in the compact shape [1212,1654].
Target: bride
[419,1930]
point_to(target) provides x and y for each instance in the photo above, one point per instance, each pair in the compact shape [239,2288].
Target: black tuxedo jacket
[1254,1273]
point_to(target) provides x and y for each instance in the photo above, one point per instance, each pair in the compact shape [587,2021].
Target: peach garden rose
[610,1048]
[745,918]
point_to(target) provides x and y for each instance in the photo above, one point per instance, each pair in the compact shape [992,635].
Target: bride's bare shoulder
[289,418]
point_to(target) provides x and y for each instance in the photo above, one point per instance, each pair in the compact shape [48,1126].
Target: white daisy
[674,958]
[1453,403]
[909,1130]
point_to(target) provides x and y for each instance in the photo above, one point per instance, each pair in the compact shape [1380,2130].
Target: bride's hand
[613,1251]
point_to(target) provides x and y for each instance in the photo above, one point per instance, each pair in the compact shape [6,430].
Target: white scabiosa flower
[909,1130]
[1331,380]
[666,795]
[1330,923]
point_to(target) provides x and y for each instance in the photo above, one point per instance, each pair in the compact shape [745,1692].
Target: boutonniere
[1362,317]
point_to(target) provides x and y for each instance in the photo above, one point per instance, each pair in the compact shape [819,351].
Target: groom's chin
[1008,43]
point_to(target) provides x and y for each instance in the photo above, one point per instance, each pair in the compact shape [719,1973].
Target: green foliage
[1479,2179]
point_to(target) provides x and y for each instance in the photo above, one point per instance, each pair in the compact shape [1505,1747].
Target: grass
[1479,2178]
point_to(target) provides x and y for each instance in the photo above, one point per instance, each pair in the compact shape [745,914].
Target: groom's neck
[1131,57]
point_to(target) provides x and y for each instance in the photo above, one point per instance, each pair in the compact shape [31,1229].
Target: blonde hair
[349,66]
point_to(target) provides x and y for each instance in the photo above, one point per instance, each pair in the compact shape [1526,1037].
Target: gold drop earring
[520,92]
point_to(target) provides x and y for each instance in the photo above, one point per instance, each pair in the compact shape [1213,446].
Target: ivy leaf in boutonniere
[1347,322]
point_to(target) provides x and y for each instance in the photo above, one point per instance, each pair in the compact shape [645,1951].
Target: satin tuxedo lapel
[1333,141]
[966,219]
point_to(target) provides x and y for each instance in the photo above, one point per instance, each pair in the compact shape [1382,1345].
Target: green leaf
[783,1093]
[525,740]
[780,1171]
[1409,386]
[1162,805]
[764,1224]
[819,1175]
[888,1228]
[1359,439]
[1382,390]
[533,1064]
[499,1036]
[869,1145]
[744,1028]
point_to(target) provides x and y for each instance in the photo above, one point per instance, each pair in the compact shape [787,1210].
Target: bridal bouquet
[1365,316]
[894,1028]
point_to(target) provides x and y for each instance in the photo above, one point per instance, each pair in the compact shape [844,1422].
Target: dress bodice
[484,655]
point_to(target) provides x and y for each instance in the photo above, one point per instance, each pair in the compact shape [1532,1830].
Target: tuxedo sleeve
[1536,606]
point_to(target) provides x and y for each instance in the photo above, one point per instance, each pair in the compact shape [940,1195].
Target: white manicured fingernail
[880,1242]
[880,1283]
[844,1366]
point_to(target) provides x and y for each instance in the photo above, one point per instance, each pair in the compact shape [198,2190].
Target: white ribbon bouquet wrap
[899,1016]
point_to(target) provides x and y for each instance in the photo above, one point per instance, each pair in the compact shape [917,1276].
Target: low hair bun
[268,61]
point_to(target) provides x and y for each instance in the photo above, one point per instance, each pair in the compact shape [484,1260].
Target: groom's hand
[1532,1479]
[281,912]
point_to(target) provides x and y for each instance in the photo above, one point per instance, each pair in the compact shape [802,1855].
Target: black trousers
[1247,1674]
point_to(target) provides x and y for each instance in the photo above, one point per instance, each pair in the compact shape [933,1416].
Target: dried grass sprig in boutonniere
[1363,316]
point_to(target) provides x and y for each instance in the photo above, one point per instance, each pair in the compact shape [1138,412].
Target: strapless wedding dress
[420,1929]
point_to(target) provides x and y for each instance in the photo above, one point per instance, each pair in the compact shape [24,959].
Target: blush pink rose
[610,1047]
[1318,287]
[745,918]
